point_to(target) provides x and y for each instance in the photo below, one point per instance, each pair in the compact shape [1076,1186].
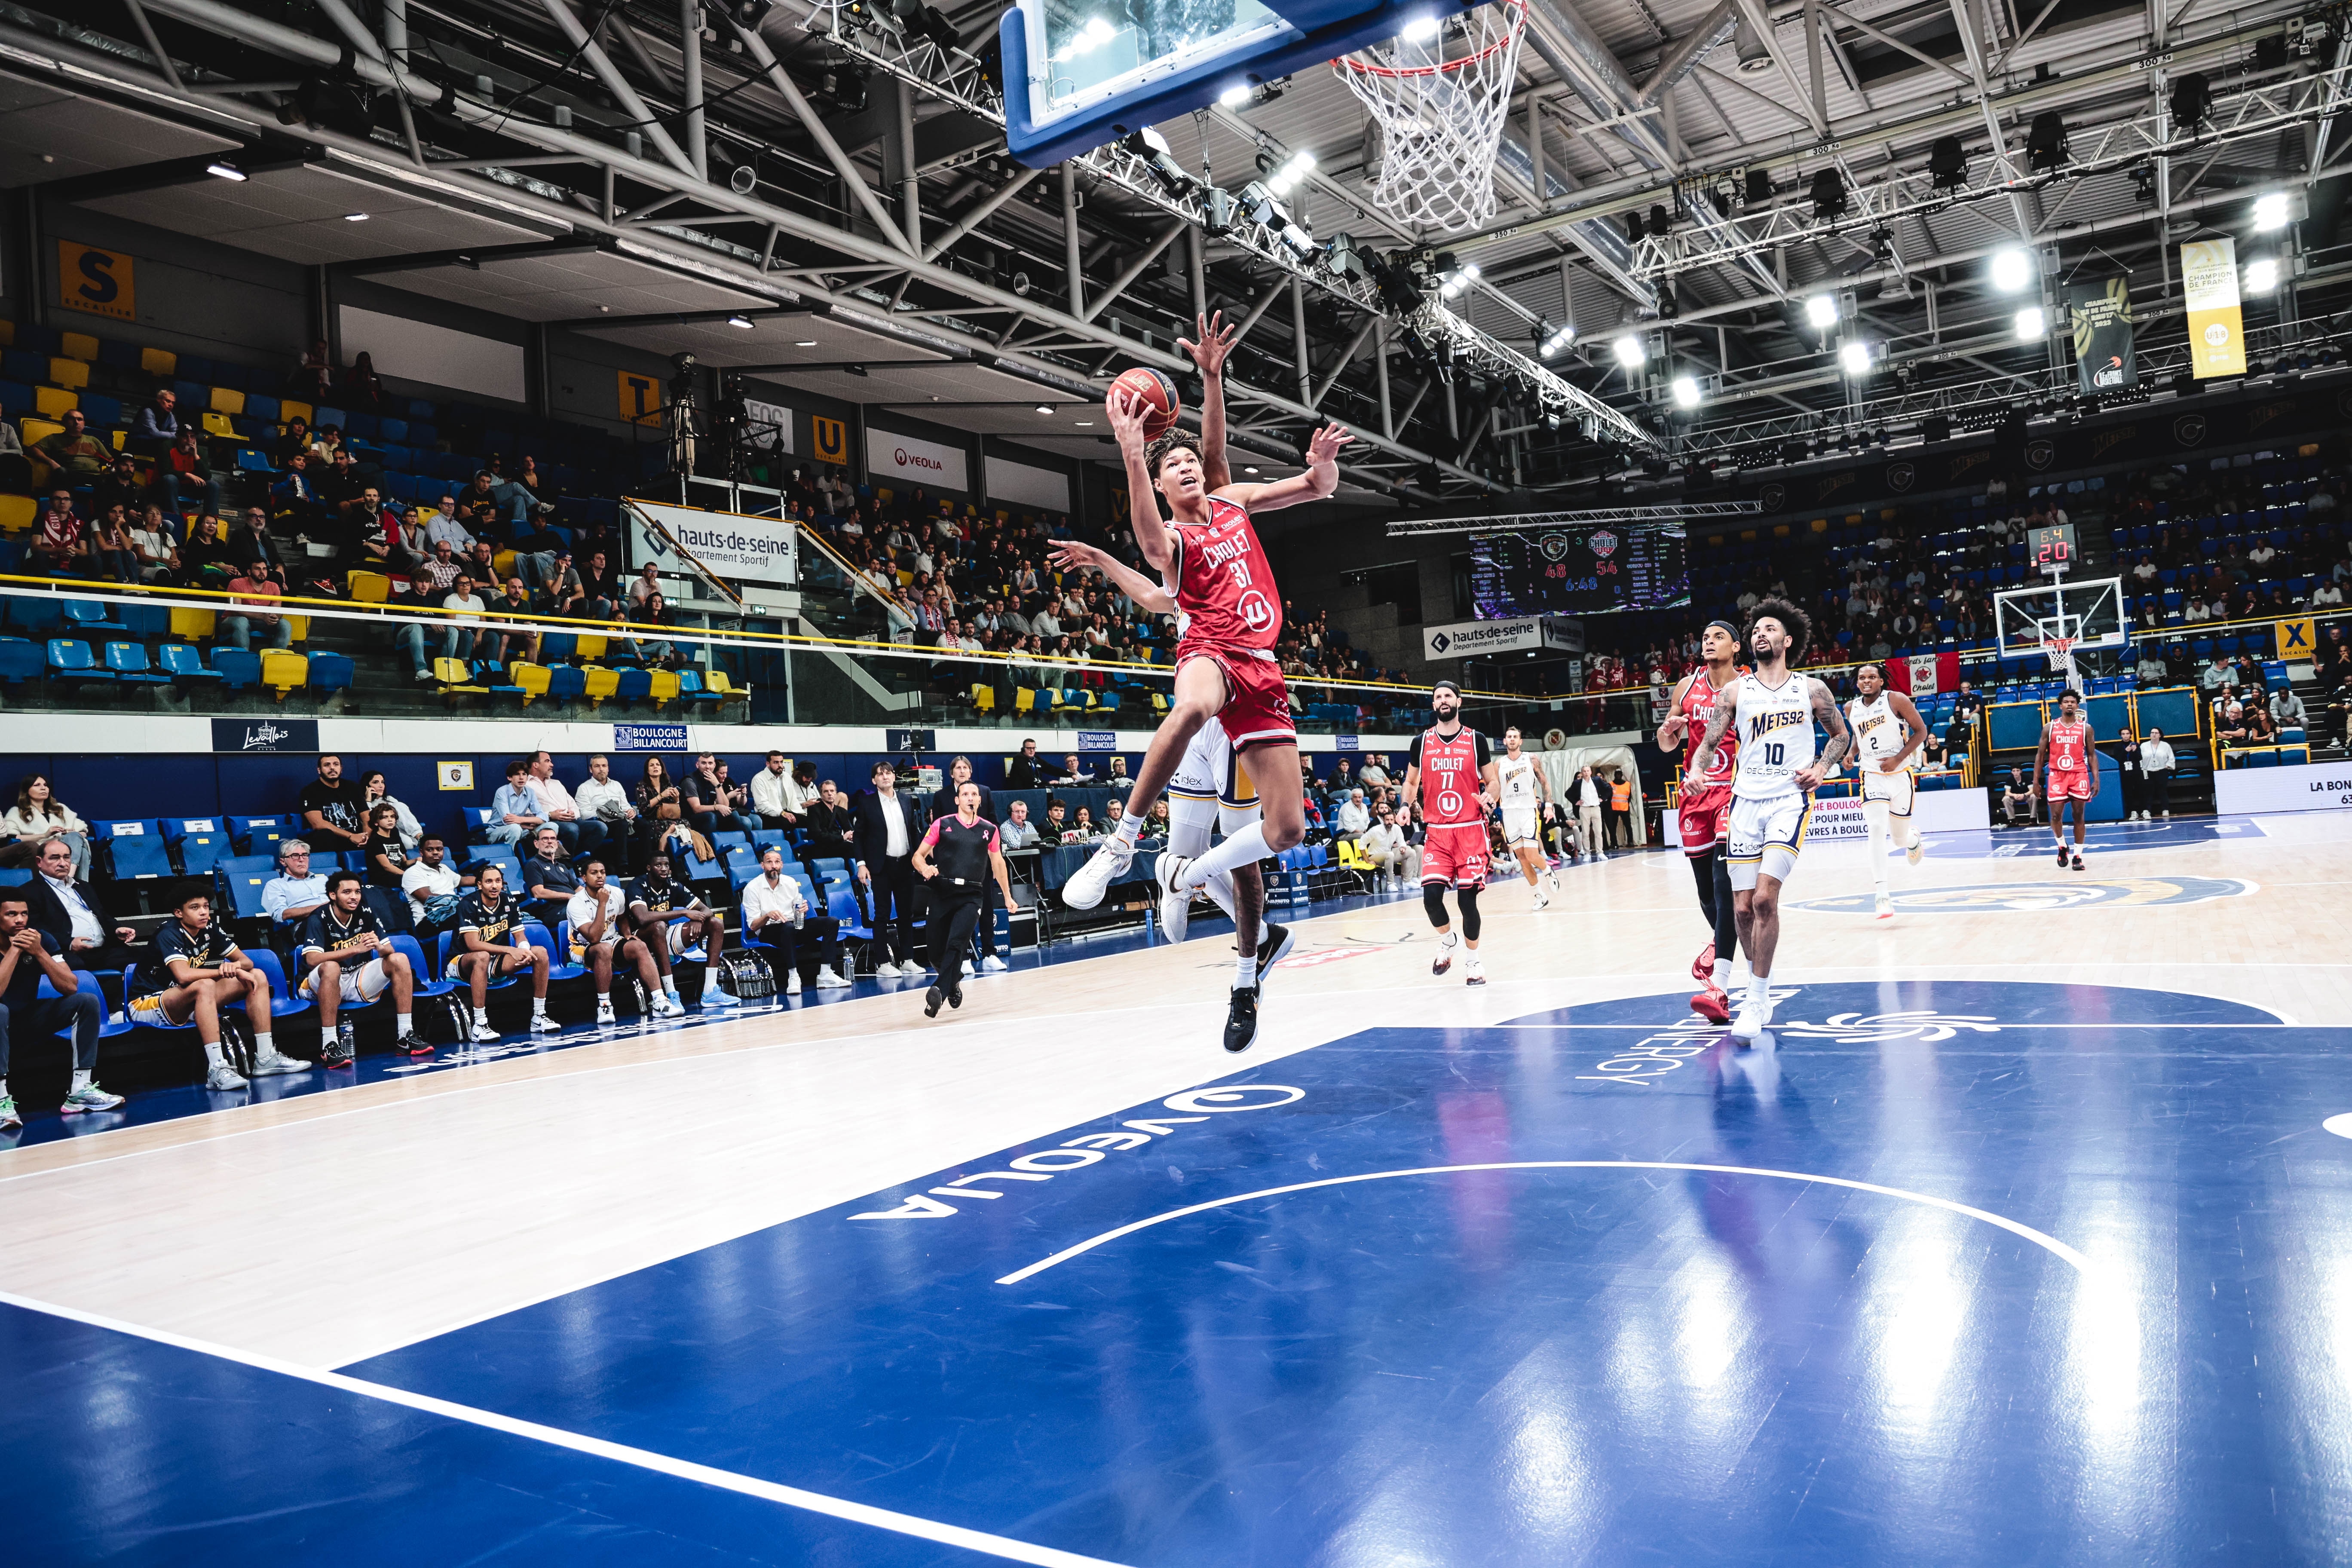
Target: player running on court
[1450,777]
[1887,733]
[2070,753]
[1702,811]
[1773,710]
[1228,618]
[1520,783]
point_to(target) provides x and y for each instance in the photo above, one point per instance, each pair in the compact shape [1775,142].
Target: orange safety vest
[1620,797]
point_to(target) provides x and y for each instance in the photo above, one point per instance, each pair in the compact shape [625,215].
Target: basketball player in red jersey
[1228,618]
[2070,752]
[1450,778]
[1703,812]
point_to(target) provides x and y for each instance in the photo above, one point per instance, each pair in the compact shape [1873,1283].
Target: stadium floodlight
[1458,280]
[2270,211]
[1853,357]
[741,323]
[1294,172]
[2032,323]
[2262,275]
[1236,96]
[1686,393]
[2011,269]
[1420,27]
[1630,351]
[1558,342]
[1821,311]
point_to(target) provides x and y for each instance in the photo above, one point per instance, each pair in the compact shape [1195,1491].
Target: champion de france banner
[2100,314]
[2217,329]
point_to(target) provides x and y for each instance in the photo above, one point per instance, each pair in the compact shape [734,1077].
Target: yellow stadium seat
[118,439]
[590,646]
[56,401]
[217,426]
[7,334]
[79,346]
[191,626]
[157,362]
[299,628]
[601,682]
[16,512]
[34,429]
[70,373]
[531,677]
[985,699]
[503,565]
[717,681]
[368,587]
[664,686]
[454,675]
[1025,700]
[289,410]
[226,400]
[283,670]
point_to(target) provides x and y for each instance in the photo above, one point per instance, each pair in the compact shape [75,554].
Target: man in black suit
[1023,772]
[888,827]
[69,913]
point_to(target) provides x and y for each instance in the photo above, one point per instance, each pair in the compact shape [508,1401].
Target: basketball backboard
[1078,73]
[2091,613]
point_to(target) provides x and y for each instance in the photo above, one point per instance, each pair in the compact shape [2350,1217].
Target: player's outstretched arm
[1069,554]
[1832,718]
[1719,724]
[1908,712]
[1124,411]
[1670,734]
[1321,478]
[1209,352]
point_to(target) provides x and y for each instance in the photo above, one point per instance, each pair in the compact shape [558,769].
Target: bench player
[1773,710]
[1519,784]
[2069,754]
[1451,779]
[1702,809]
[1887,734]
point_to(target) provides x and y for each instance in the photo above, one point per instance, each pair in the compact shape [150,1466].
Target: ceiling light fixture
[1686,393]
[1419,28]
[2032,323]
[804,344]
[2270,211]
[1821,311]
[1853,357]
[741,323]
[2262,275]
[225,171]
[1235,96]
[355,217]
[2011,269]
[1630,351]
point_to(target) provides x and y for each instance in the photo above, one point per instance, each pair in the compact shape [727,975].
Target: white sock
[607,1000]
[1722,973]
[213,1056]
[710,978]
[1874,814]
[80,1082]
[1759,989]
[1129,827]
[405,1022]
[539,1006]
[669,985]
[1447,937]
[263,1047]
[1246,848]
[1245,972]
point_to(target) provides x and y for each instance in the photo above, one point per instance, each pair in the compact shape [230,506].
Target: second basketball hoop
[1440,93]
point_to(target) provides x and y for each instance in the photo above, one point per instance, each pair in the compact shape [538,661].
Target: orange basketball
[1158,394]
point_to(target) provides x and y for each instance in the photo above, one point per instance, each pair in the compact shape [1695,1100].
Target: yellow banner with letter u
[2298,639]
[2217,329]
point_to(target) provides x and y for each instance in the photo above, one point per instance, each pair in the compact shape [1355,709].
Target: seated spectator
[645,586]
[410,599]
[1354,815]
[295,500]
[601,799]
[60,543]
[711,806]
[293,441]
[313,379]
[254,586]
[206,559]
[535,555]
[661,808]
[120,485]
[431,885]
[2017,797]
[77,454]
[603,588]
[1019,832]
[480,566]
[562,593]
[2258,729]
[374,792]
[775,914]
[515,811]
[1073,772]
[467,634]
[444,527]
[194,971]
[37,817]
[16,469]
[1055,828]
[491,940]
[674,920]
[501,502]
[184,474]
[333,807]
[1390,848]
[71,912]
[830,825]
[578,829]
[152,542]
[1024,772]
[388,858]
[548,878]
[516,641]
[112,553]
[2286,709]
[601,938]
[296,892]
[361,387]
[345,957]
[27,954]
[650,652]
[779,795]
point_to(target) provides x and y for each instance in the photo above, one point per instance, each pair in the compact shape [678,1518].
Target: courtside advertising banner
[2315,786]
[904,463]
[729,545]
[1932,811]
[2100,314]
[2217,330]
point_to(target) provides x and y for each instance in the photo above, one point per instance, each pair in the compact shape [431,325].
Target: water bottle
[345,1038]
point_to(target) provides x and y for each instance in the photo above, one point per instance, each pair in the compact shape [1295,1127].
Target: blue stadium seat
[203,847]
[128,660]
[242,878]
[331,672]
[71,659]
[260,834]
[240,668]
[20,661]
[283,1003]
[135,846]
[186,665]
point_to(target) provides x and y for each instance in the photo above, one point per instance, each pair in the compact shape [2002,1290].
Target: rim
[1518,25]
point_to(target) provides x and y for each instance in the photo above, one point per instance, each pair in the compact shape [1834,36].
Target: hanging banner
[905,462]
[2100,315]
[727,544]
[768,426]
[2217,330]
[1026,486]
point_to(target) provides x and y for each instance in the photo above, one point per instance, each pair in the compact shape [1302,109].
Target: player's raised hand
[1325,446]
[1125,410]
[1215,342]
[1069,555]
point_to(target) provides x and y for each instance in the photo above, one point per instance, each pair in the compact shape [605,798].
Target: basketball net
[2061,653]
[1441,120]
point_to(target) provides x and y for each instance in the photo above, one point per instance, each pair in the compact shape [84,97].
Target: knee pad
[1469,897]
[1433,899]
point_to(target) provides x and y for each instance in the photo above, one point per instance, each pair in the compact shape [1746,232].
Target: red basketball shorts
[2074,785]
[1703,819]
[1455,854]
[1257,702]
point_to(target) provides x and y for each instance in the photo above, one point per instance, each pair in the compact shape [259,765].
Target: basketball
[1162,406]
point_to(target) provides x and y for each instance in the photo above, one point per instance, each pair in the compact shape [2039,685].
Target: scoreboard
[1577,571]
[2051,546]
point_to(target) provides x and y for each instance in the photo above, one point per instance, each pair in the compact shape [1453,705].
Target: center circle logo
[1234,1096]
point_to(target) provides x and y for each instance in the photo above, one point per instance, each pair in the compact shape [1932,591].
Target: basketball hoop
[1441,120]
[2061,652]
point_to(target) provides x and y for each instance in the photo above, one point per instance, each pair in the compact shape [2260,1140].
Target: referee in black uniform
[958,858]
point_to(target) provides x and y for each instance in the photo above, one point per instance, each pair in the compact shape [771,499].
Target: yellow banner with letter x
[2296,639]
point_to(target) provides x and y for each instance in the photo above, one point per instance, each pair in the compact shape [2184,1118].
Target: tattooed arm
[1727,709]
[1833,718]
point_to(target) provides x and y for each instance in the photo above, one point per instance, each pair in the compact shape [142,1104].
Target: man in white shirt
[1353,817]
[779,795]
[467,634]
[577,829]
[602,798]
[296,894]
[2327,595]
[431,885]
[775,914]
[594,914]
[1018,832]
[1588,794]
[2286,709]
[1390,848]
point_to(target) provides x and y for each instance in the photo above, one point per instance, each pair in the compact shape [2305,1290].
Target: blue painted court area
[1955,1272]
[2025,843]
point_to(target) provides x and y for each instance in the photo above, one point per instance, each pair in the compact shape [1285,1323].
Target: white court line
[2051,1243]
[597,1448]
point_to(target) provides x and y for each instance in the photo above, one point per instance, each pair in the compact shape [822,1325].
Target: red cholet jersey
[1452,775]
[1223,583]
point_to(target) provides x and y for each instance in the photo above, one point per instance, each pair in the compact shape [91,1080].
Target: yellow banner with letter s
[2217,330]
[2298,639]
[99,282]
